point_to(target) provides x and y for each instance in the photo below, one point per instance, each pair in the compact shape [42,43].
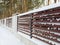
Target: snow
[7,38]
[38,42]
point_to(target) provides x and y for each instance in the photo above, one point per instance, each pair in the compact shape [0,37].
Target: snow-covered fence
[42,24]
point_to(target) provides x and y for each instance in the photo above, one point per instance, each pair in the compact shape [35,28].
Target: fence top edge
[8,18]
[41,9]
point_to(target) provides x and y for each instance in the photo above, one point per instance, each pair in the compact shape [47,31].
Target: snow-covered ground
[7,38]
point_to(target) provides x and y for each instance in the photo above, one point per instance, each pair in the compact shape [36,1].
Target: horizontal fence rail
[43,25]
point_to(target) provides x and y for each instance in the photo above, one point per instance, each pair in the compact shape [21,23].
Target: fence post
[14,23]
[5,22]
[31,26]
[0,21]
